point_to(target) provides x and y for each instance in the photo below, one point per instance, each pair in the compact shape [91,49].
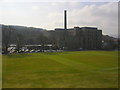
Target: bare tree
[42,40]
[6,36]
[19,41]
[54,41]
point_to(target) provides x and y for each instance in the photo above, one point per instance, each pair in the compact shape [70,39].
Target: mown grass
[80,69]
[0,71]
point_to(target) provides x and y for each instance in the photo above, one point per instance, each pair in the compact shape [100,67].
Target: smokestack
[65,19]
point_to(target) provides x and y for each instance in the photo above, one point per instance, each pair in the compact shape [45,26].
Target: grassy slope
[64,70]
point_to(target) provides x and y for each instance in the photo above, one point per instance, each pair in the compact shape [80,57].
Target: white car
[32,50]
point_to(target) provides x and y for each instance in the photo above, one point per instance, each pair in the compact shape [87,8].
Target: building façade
[84,38]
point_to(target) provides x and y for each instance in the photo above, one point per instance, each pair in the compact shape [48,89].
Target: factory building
[86,38]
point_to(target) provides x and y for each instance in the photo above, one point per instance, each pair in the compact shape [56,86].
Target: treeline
[110,43]
[21,35]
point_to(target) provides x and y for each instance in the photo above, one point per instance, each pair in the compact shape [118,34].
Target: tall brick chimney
[65,19]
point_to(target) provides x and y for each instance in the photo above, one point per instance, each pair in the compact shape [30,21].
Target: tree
[54,41]
[19,41]
[42,40]
[6,36]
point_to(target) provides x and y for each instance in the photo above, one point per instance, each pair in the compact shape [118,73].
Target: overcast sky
[49,15]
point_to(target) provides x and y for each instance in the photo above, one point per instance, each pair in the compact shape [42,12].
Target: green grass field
[80,69]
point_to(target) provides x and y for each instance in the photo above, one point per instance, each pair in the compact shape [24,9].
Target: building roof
[37,45]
